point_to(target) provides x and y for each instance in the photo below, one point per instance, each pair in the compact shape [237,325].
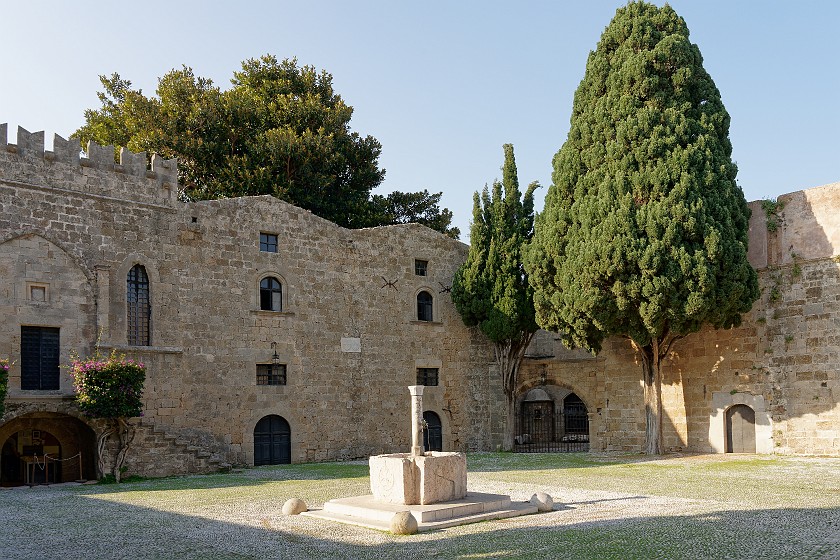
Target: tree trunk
[509,357]
[652,364]
[125,435]
[101,440]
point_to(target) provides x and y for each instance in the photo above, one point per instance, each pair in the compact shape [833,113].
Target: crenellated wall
[72,227]
[347,333]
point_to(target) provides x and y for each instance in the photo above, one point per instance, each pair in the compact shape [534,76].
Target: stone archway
[68,444]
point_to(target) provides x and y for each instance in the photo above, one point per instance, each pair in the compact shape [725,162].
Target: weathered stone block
[435,477]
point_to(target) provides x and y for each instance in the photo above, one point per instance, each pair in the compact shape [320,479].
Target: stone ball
[403,523]
[543,501]
[294,506]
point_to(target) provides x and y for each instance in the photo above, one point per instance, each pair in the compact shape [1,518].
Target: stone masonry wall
[783,361]
[347,332]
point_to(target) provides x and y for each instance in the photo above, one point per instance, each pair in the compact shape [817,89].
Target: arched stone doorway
[551,419]
[740,429]
[46,447]
[272,441]
[433,434]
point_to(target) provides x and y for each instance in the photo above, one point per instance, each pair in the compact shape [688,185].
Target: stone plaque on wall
[351,344]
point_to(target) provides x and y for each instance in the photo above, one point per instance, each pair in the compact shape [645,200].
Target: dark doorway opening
[272,441]
[433,432]
[740,429]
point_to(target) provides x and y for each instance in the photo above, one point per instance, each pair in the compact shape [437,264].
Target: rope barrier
[41,465]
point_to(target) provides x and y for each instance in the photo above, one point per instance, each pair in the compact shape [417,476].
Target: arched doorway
[433,434]
[45,448]
[740,429]
[551,419]
[272,441]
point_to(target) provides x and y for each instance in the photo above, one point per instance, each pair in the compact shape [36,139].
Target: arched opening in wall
[46,448]
[575,418]
[272,441]
[433,432]
[740,429]
[551,420]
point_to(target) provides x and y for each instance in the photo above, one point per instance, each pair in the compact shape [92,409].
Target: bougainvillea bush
[109,387]
[5,364]
[112,389]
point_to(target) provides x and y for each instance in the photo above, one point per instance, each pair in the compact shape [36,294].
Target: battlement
[160,180]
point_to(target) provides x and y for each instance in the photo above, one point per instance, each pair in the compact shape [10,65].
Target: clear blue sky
[442,85]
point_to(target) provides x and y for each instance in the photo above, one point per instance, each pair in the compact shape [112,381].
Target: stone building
[271,335]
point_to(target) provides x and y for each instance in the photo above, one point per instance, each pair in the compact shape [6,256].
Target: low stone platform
[364,511]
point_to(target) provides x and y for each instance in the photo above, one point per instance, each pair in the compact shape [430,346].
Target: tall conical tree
[491,289]
[644,230]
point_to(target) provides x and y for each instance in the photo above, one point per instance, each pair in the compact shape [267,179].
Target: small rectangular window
[268,242]
[271,374]
[427,376]
[421,267]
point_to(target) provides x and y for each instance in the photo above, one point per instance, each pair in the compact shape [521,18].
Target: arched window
[424,306]
[271,294]
[575,415]
[139,309]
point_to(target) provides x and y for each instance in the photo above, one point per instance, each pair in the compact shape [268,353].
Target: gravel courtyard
[607,506]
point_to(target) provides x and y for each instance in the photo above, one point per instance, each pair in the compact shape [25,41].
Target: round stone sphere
[403,523]
[543,501]
[294,506]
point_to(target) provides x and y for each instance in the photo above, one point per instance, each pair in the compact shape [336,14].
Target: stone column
[416,419]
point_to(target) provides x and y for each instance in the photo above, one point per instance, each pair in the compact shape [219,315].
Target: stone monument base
[402,478]
[366,511]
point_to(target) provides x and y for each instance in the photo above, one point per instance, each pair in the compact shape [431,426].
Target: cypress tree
[491,289]
[644,230]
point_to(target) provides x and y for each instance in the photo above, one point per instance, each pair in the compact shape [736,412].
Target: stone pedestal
[402,478]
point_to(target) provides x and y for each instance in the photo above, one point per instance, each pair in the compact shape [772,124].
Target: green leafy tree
[644,230]
[110,389]
[418,208]
[281,129]
[491,289]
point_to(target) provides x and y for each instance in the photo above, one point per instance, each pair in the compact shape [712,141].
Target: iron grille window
[427,376]
[271,374]
[424,306]
[575,416]
[39,349]
[421,267]
[271,294]
[139,310]
[268,242]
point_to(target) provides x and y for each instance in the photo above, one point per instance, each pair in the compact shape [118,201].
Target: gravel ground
[607,506]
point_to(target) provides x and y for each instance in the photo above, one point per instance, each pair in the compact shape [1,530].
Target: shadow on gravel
[82,526]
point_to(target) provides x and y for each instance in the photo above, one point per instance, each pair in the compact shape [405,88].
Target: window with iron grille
[139,310]
[424,306]
[575,415]
[268,242]
[271,374]
[421,268]
[271,294]
[427,376]
[39,350]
